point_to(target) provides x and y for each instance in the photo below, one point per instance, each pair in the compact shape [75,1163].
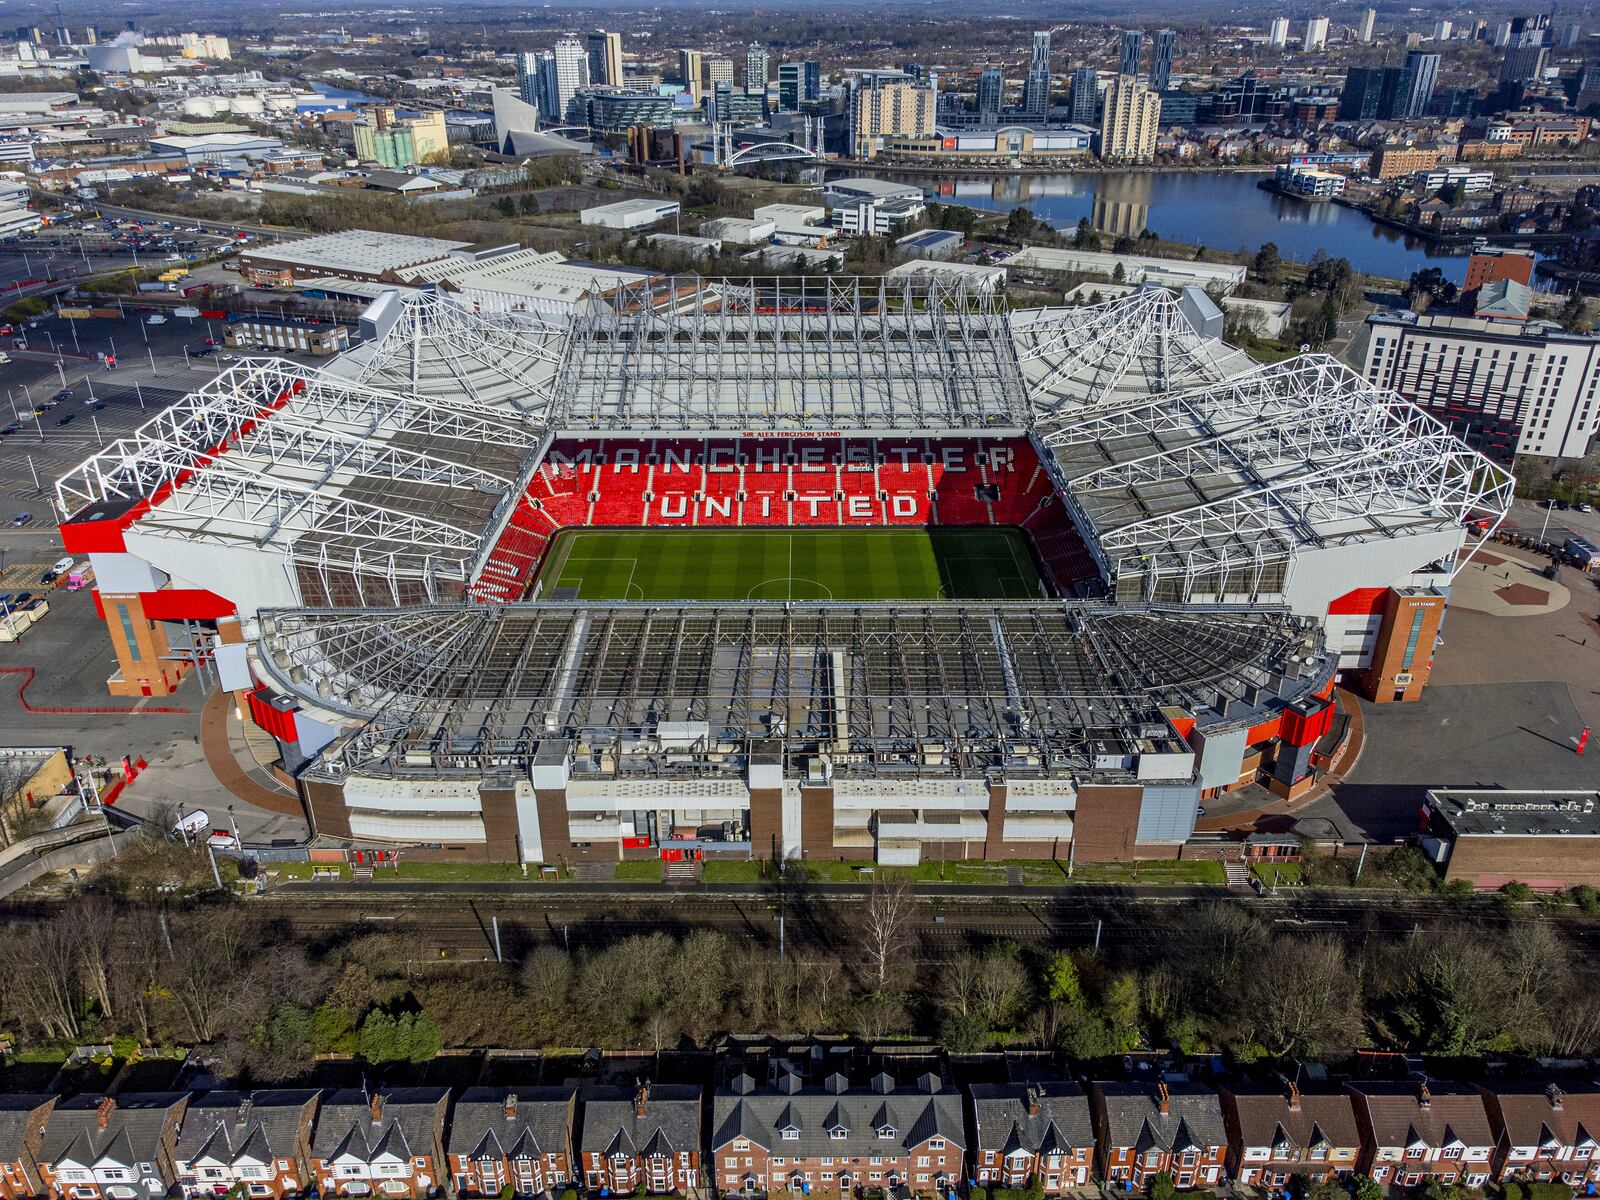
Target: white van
[192,824]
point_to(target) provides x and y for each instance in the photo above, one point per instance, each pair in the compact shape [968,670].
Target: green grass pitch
[790,564]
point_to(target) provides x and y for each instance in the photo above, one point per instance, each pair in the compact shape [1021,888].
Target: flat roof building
[629,214]
[1488,837]
[351,254]
[1169,272]
[975,276]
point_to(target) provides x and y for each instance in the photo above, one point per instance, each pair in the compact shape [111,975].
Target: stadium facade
[360,554]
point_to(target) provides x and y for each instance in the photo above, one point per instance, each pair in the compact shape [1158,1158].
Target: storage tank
[200,106]
[249,106]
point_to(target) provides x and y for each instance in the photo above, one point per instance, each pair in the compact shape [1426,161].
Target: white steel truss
[271,453]
[441,345]
[1303,452]
[792,354]
[1141,344]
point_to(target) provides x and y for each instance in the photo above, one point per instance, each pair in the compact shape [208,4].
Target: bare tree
[40,968]
[886,929]
[96,932]
[217,971]
[1304,999]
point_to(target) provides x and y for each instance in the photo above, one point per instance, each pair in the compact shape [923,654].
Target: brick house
[794,1137]
[1545,1133]
[385,1143]
[517,1137]
[111,1148]
[1026,1131]
[649,1138]
[259,1142]
[1275,1133]
[1415,1132]
[22,1119]
[1148,1129]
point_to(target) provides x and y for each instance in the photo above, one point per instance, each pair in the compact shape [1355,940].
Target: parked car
[221,839]
[21,519]
[67,420]
[48,578]
[9,428]
[63,565]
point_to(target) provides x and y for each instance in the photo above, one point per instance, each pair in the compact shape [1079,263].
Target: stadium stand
[767,482]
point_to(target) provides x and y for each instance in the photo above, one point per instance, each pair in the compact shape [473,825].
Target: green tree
[332,1030]
[1019,224]
[1061,982]
[1163,1187]
[1367,1188]
[1086,237]
[1266,263]
[963,1033]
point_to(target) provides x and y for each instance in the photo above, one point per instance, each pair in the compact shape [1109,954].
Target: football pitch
[790,564]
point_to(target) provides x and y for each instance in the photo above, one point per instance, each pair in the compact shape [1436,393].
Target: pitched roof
[21,1113]
[404,1128]
[670,1124]
[1266,1117]
[1434,1114]
[131,1135]
[1531,1113]
[1134,1116]
[498,1122]
[228,1126]
[837,1119]
[1061,1120]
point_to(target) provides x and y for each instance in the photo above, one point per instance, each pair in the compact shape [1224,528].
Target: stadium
[835,569]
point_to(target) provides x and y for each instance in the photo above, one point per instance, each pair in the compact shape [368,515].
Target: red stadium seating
[774,482]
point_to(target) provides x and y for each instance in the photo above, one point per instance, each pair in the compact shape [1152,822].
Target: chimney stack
[1033,1102]
[376,1106]
[511,1106]
[1294,1098]
[1163,1099]
[102,1113]
[641,1098]
[1553,1093]
[1424,1096]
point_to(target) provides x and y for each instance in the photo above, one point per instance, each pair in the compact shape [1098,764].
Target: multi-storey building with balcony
[800,1138]
[258,1142]
[22,1119]
[111,1147]
[649,1138]
[383,1143]
[1167,1128]
[512,1138]
[1275,1133]
[1414,1133]
[1545,1132]
[1042,1131]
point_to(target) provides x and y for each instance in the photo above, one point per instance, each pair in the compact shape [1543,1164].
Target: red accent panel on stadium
[185,604]
[1363,602]
[828,481]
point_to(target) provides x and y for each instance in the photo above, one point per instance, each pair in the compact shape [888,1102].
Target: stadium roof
[1235,476]
[881,689]
[431,345]
[1099,356]
[344,478]
[790,354]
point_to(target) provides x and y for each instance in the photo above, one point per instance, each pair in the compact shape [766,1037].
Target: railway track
[463,927]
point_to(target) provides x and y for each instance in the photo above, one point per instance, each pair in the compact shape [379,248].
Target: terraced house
[795,1137]
[1278,1133]
[1148,1129]
[1545,1132]
[259,1142]
[1416,1132]
[381,1143]
[516,1138]
[22,1119]
[649,1139]
[111,1147]
[1042,1131]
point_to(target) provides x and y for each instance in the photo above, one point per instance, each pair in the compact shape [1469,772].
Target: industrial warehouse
[845,568]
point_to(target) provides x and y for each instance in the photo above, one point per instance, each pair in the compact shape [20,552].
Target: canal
[1224,210]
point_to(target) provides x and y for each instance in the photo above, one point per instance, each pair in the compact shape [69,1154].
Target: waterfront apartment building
[1517,388]
[689,73]
[888,105]
[755,69]
[1128,126]
[605,57]
[1390,161]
